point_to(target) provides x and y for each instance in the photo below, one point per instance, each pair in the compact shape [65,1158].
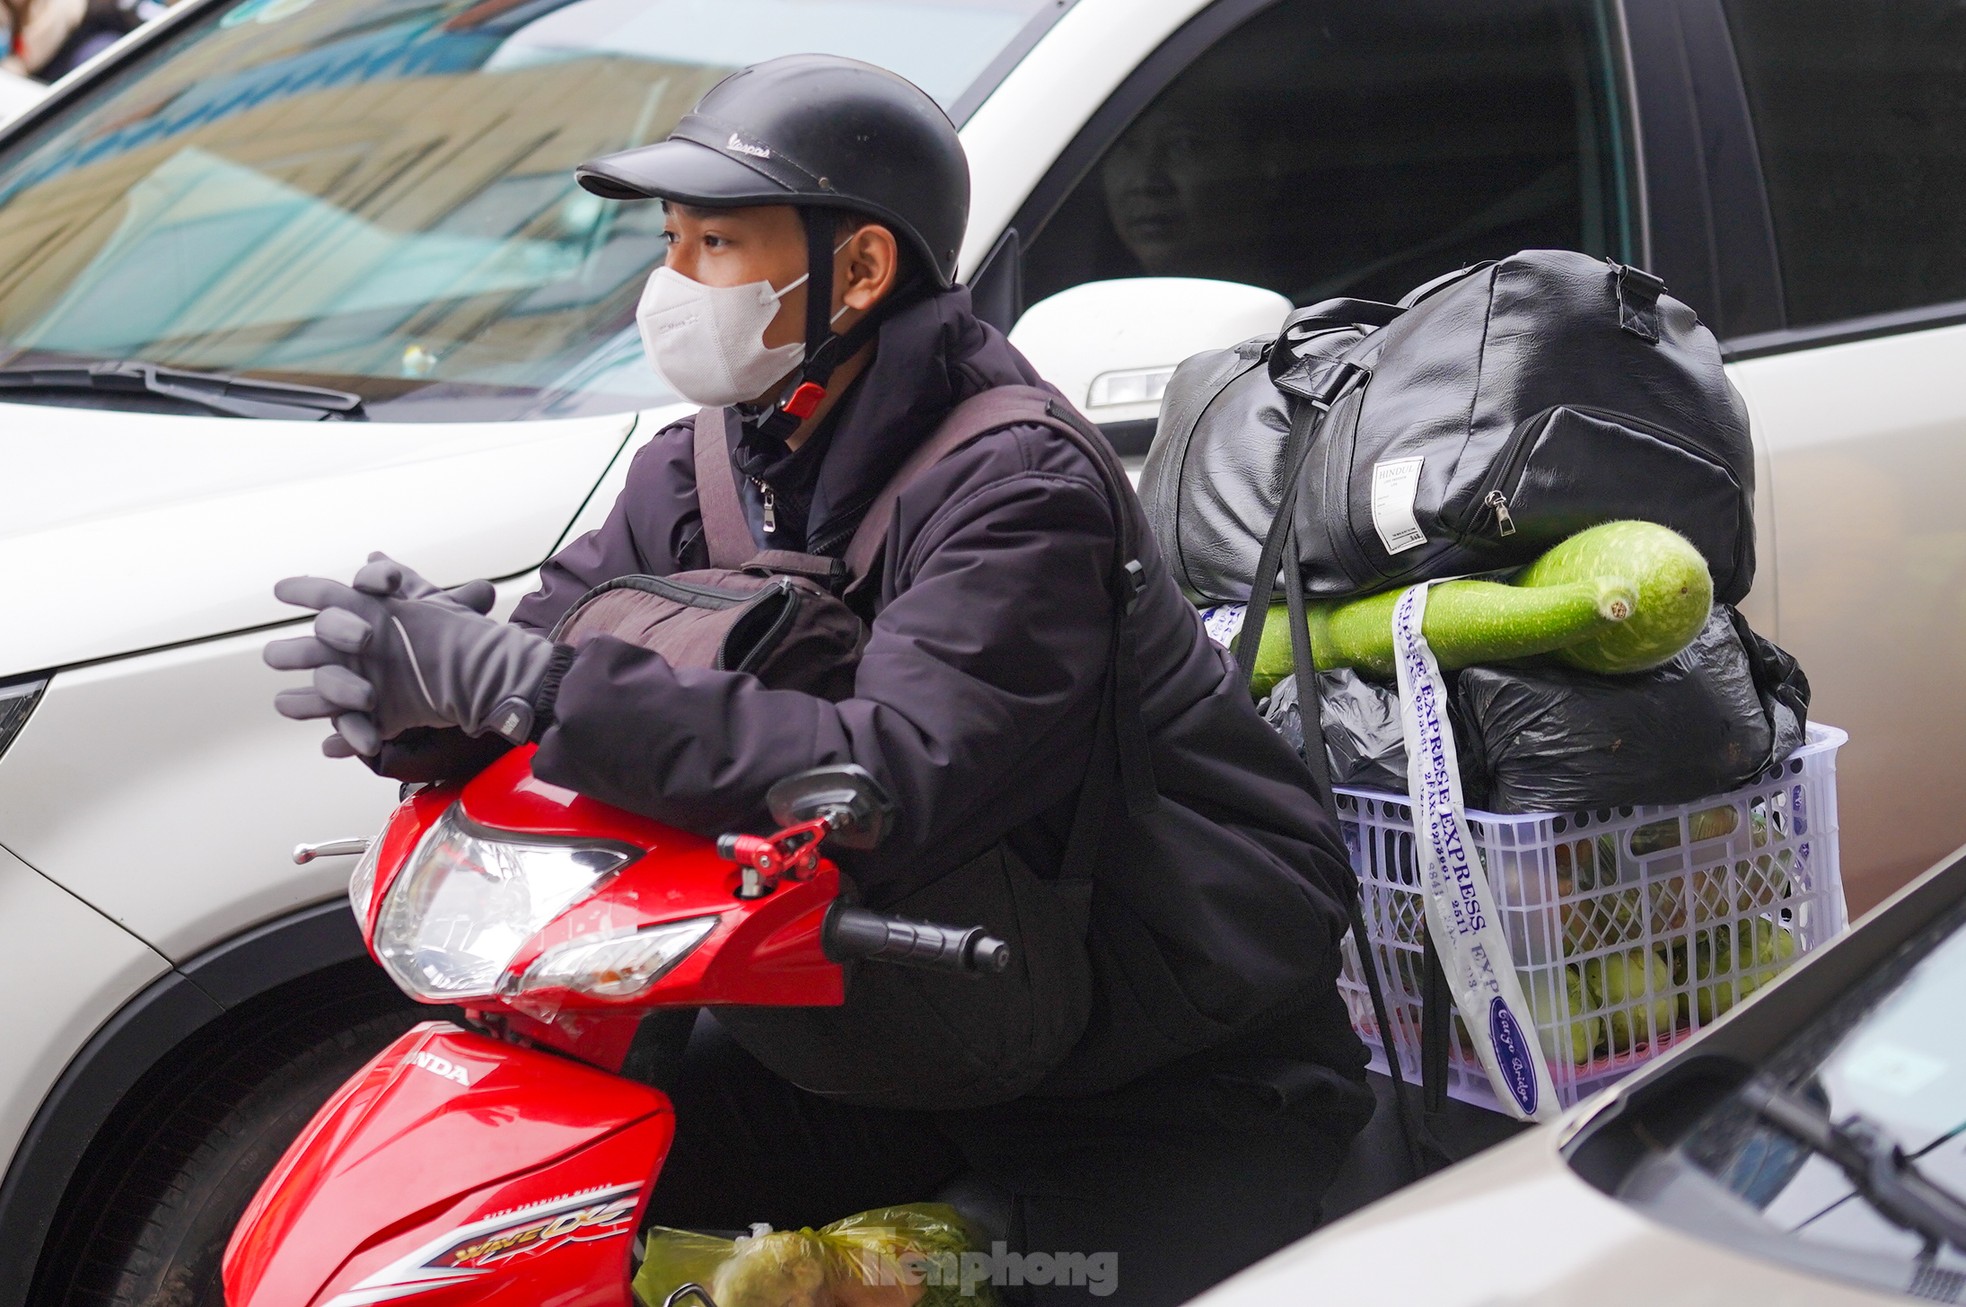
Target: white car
[370,202]
[18,94]
[1753,1164]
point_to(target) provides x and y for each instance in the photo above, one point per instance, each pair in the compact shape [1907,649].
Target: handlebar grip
[858,933]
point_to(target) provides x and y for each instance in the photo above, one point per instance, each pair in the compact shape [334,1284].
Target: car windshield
[377,195]
[1889,1052]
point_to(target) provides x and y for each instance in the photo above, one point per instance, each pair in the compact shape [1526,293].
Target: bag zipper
[1494,499]
[1500,503]
[683,592]
[765,643]
[1743,540]
[1516,457]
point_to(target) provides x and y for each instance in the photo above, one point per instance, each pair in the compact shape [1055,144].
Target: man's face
[735,247]
[1184,181]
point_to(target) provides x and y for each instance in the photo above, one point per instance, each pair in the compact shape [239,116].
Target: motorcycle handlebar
[858,933]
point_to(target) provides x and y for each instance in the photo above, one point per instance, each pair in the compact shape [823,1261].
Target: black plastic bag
[1546,738]
[1363,744]
[1553,739]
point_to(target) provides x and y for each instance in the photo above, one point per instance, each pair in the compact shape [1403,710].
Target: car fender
[162,1007]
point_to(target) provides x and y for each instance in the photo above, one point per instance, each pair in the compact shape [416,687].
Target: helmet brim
[682,171]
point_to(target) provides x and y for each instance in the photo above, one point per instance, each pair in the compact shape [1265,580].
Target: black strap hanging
[824,351]
[1424,1151]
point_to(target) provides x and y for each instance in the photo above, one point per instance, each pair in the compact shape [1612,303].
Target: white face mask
[707,342]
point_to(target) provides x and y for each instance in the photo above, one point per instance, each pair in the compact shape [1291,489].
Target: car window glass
[378,195]
[1330,147]
[1860,112]
[1889,1052]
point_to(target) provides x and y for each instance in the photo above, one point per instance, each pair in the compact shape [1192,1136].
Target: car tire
[184,1191]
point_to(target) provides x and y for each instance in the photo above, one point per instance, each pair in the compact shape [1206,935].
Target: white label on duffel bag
[1461,916]
[1395,486]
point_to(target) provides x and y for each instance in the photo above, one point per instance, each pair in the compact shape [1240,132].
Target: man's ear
[865,270]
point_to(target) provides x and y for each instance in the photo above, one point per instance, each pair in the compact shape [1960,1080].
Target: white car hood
[127,531]
[1516,1227]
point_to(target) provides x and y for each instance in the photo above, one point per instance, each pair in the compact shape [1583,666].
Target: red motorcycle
[507,1160]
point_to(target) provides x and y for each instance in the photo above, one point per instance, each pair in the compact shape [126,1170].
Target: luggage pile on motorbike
[1548,449]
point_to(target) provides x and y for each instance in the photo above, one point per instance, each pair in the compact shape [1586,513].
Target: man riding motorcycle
[814,207]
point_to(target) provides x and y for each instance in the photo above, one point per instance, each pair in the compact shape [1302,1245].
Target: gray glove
[394,652]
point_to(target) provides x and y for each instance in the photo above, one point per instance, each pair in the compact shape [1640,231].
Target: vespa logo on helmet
[743,146]
[441,1066]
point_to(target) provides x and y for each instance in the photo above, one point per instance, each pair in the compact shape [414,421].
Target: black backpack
[1488,415]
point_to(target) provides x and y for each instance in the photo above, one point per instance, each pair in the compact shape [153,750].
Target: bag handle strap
[1428,289]
[1341,312]
[1307,414]
[725,529]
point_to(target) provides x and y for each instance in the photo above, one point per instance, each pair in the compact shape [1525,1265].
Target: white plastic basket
[1631,927]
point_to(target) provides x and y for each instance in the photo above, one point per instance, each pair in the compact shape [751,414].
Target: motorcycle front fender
[457,1169]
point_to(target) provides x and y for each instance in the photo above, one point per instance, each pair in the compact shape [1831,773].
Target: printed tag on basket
[1461,916]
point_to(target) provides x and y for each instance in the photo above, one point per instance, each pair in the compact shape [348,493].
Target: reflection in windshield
[378,195]
[1894,1052]
[1325,148]
[1189,183]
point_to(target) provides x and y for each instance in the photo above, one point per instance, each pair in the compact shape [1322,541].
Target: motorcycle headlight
[618,967]
[470,898]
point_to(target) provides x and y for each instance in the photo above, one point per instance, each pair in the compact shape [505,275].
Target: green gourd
[1617,598]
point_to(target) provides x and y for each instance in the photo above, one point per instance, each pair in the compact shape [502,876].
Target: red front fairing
[463,1168]
[457,1169]
[763,952]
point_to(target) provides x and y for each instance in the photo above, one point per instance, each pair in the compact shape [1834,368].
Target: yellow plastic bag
[891,1257]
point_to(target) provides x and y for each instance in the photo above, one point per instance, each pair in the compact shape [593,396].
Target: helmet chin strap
[806,389]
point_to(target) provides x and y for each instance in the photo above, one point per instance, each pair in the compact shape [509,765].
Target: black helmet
[820,133]
[813,131]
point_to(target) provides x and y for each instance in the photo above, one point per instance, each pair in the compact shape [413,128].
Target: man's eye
[669,239]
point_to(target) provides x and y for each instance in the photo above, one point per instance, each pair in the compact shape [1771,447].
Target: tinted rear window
[1860,108]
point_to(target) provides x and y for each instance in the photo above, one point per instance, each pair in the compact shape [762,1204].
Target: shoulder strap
[1121,743]
[725,530]
[979,415]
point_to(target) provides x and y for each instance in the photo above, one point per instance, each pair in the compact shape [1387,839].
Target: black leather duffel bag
[1487,416]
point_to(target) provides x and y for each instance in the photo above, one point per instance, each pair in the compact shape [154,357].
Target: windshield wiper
[1873,1163]
[240,397]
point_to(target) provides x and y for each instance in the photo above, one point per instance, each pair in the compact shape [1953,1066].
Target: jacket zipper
[771,505]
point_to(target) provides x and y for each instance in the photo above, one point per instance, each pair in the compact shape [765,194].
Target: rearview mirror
[1111,346]
[846,793]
